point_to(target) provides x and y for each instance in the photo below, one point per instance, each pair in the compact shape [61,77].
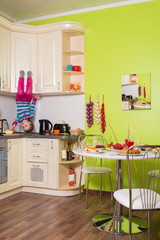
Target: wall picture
[136,91]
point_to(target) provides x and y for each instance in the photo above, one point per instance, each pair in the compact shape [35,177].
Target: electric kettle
[45,126]
[3,126]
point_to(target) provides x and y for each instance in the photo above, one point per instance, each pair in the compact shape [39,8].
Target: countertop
[37,135]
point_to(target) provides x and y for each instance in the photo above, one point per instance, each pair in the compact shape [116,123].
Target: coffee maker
[45,126]
[3,126]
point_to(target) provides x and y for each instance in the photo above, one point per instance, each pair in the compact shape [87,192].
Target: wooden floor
[27,216]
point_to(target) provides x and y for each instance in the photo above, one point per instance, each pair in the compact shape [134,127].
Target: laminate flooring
[27,216]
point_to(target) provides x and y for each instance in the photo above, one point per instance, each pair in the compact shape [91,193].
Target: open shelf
[74,53]
[71,161]
[73,72]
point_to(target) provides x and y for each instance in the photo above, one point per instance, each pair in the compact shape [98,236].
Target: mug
[76,68]
[56,132]
[69,67]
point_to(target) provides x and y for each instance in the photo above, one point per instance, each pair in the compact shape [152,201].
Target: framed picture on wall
[136,91]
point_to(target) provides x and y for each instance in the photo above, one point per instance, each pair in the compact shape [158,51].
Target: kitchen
[108,48]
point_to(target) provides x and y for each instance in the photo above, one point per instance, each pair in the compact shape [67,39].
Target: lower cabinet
[36,165]
[15,163]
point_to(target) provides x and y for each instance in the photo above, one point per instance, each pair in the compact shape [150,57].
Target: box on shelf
[75,87]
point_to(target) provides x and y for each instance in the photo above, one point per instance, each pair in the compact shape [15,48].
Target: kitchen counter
[37,135]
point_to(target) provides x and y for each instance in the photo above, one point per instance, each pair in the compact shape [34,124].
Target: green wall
[122,40]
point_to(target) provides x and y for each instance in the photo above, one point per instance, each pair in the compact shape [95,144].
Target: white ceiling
[29,10]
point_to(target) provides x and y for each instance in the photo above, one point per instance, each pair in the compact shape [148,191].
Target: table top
[108,154]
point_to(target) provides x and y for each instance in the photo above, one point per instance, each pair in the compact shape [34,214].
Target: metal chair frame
[148,190]
[101,170]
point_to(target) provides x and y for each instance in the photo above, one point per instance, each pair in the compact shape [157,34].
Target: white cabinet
[36,163]
[5,40]
[15,163]
[49,62]
[46,51]
[23,57]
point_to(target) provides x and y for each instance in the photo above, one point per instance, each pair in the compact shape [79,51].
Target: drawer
[37,144]
[37,156]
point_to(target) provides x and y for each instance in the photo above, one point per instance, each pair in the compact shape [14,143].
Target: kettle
[45,126]
[3,126]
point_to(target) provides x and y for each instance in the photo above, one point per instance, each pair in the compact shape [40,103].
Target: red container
[76,68]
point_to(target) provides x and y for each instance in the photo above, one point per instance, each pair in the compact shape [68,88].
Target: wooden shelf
[71,161]
[129,84]
[73,72]
[73,53]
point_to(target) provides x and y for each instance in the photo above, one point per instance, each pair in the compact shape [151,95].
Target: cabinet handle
[36,156]
[58,85]
[51,144]
[36,144]
[35,166]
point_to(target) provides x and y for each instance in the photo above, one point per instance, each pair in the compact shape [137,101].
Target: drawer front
[37,156]
[37,144]
[37,174]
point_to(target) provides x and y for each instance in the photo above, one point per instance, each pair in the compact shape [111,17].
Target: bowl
[76,132]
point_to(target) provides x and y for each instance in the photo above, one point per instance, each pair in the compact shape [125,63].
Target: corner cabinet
[45,50]
[46,171]
[49,62]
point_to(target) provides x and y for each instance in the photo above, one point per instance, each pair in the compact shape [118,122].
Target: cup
[69,67]
[76,68]
[56,132]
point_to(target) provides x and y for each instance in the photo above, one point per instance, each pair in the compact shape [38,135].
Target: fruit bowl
[76,132]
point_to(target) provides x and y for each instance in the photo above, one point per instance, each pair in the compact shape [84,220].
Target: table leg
[104,222]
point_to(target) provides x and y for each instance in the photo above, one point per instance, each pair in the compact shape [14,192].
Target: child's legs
[20,92]
[28,93]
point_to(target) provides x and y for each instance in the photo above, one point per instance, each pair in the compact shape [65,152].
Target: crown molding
[59,26]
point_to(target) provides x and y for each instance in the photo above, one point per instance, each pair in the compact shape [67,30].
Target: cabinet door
[5,59]
[53,163]
[15,163]
[37,174]
[49,62]
[23,57]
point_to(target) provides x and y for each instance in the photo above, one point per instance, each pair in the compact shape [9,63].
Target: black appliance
[3,126]
[3,161]
[63,127]
[45,126]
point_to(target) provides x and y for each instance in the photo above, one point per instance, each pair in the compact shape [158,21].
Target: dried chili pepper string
[103,121]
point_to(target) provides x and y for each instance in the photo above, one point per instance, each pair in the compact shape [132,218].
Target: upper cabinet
[5,41]
[49,62]
[45,50]
[23,57]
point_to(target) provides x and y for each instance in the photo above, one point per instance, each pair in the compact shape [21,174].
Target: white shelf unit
[73,54]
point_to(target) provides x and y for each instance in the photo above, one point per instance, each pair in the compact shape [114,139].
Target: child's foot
[21,73]
[29,74]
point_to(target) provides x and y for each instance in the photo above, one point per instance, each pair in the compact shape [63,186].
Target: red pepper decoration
[103,121]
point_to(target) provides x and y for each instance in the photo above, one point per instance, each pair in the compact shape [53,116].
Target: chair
[141,194]
[88,141]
